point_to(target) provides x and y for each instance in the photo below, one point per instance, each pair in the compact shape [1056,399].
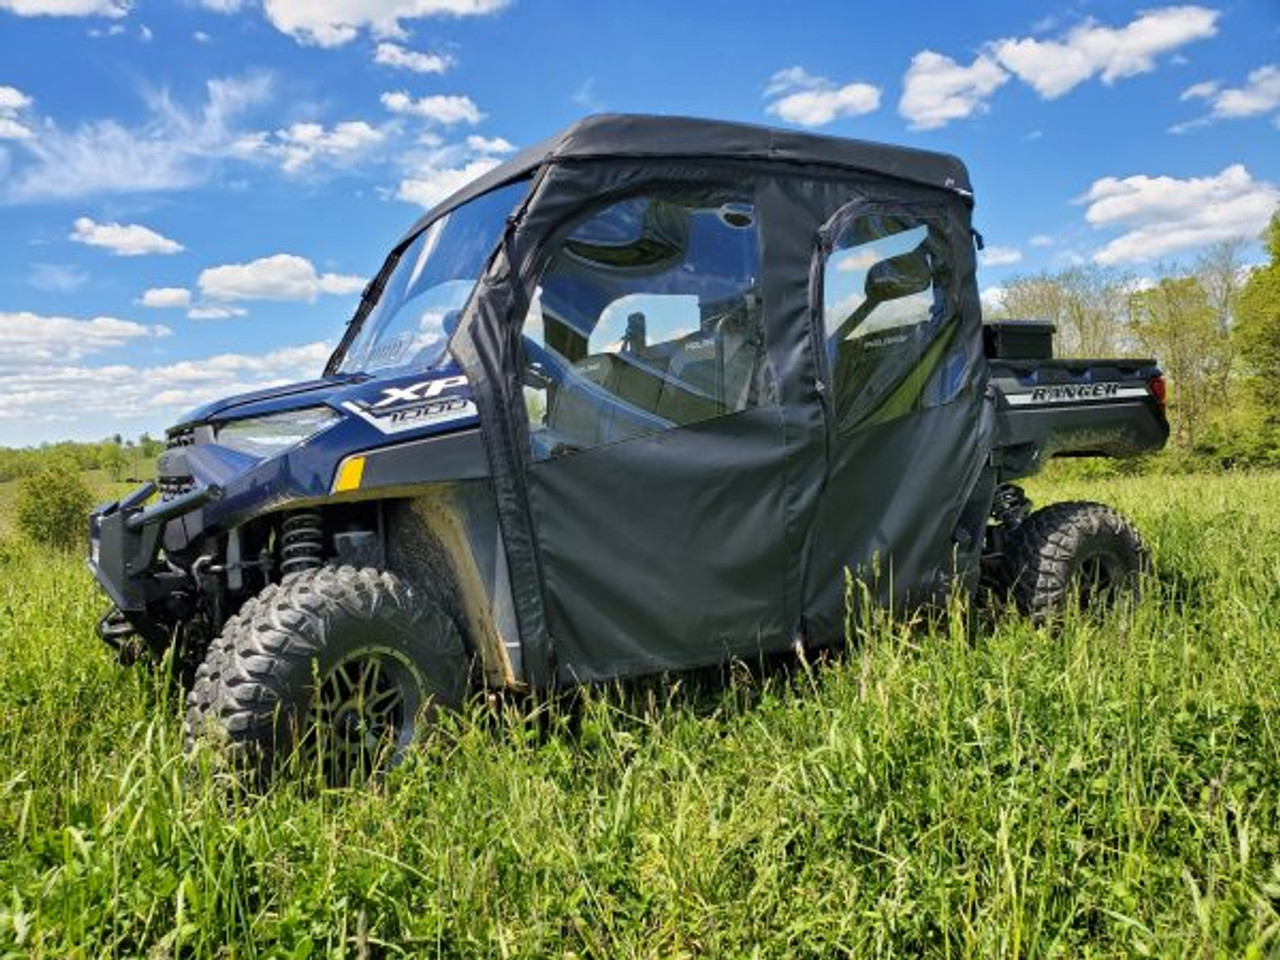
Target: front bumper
[124,550]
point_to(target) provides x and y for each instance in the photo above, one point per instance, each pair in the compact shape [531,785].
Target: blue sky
[192,192]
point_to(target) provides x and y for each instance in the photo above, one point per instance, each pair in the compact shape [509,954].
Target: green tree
[53,505]
[1085,303]
[1258,328]
[1221,273]
[116,461]
[1175,321]
[149,446]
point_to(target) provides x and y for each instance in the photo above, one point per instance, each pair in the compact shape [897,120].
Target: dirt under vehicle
[631,402]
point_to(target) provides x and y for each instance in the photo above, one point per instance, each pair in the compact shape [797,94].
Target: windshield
[410,325]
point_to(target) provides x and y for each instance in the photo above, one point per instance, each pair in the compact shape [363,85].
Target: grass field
[1110,791]
[100,482]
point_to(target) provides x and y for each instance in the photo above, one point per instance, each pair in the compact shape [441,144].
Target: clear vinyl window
[430,282]
[889,316]
[647,318]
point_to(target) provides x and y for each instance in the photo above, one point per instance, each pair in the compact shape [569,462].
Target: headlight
[275,433]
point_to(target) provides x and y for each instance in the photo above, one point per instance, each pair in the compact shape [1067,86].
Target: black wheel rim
[1099,579]
[366,714]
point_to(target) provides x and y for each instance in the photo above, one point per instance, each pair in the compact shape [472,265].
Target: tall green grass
[1111,790]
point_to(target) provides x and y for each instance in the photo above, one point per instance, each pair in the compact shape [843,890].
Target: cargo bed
[1047,407]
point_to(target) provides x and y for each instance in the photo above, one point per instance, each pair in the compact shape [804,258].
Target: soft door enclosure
[713,373]
[908,436]
[651,419]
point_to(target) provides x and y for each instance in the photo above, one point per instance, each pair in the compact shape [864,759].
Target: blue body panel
[332,391]
[375,413]
[279,397]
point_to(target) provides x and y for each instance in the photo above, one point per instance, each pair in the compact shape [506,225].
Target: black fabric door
[655,436]
[909,431]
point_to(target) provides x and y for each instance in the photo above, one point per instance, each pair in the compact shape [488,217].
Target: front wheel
[342,663]
[1070,550]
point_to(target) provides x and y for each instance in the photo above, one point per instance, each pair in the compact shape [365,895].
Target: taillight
[1156,386]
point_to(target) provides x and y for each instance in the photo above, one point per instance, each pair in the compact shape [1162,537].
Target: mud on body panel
[446,542]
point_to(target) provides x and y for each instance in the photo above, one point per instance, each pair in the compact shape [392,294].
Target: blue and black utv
[631,402]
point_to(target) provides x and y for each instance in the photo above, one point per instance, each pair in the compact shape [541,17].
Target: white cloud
[1166,215]
[188,383]
[937,90]
[173,149]
[11,129]
[1260,95]
[297,146]
[12,103]
[792,78]
[1053,67]
[66,8]
[223,6]
[102,157]
[206,312]
[858,260]
[393,55]
[283,276]
[1200,91]
[1041,240]
[201,37]
[992,298]
[815,108]
[440,108]
[123,240]
[12,100]
[332,23]
[35,397]
[489,144]
[34,338]
[284,364]
[165,298]
[813,101]
[431,185]
[57,277]
[1000,256]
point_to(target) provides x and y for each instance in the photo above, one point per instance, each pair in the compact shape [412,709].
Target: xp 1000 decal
[417,405]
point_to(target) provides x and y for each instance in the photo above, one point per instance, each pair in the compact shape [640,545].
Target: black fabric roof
[639,135]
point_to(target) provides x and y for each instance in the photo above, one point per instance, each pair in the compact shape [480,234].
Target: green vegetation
[53,506]
[1110,791]
[116,459]
[1214,326]
[1259,328]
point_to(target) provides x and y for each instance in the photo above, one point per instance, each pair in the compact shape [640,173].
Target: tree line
[120,458]
[1214,327]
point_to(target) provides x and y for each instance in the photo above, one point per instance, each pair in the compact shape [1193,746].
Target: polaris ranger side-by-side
[631,402]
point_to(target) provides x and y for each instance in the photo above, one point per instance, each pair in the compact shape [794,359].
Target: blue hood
[345,392]
[290,396]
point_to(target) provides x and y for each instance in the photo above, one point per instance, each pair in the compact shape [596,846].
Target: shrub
[53,507]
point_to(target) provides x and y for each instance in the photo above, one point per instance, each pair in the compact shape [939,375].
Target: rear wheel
[338,663]
[1070,550]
